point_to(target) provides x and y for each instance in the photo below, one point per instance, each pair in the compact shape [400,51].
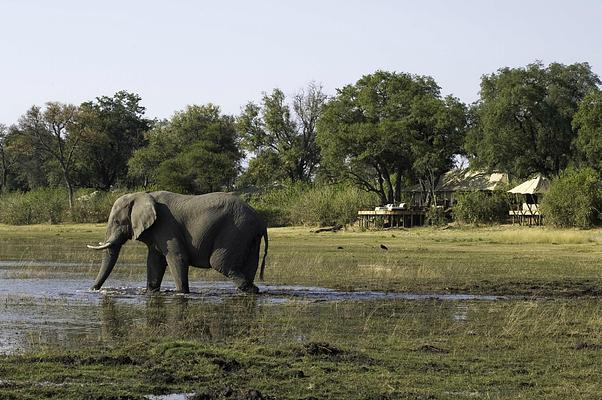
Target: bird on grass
[382,246]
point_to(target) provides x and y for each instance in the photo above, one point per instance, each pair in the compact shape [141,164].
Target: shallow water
[58,308]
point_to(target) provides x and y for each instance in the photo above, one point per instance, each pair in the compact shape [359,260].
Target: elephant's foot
[249,287]
[151,290]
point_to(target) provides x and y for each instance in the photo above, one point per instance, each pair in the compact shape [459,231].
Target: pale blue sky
[174,53]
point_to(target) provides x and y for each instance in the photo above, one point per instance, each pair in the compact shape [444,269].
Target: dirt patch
[226,365]
[76,360]
[427,348]
[230,394]
[588,346]
[320,349]
[160,376]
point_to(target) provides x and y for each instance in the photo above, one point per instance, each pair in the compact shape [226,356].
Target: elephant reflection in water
[113,322]
[165,311]
[181,315]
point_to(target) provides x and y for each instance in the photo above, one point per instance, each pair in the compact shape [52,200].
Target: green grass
[546,343]
[524,349]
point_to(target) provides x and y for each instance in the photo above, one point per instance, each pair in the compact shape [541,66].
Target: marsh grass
[509,349]
[546,343]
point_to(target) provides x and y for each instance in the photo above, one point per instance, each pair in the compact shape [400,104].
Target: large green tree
[522,121]
[196,151]
[282,136]
[112,128]
[588,123]
[8,158]
[51,135]
[389,128]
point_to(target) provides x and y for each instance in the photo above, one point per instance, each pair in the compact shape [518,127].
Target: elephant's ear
[143,213]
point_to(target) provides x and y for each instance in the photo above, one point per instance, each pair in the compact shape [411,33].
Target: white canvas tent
[528,211]
[460,180]
[538,185]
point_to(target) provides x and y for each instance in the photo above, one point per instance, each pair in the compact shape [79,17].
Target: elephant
[214,230]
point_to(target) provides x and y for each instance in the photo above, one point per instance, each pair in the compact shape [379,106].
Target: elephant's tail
[265,253]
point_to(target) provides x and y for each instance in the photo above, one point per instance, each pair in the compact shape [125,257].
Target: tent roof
[466,180]
[539,184]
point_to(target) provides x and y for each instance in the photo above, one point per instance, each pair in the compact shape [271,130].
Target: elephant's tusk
[100,246]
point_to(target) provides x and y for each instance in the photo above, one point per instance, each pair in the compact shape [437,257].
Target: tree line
[384,133]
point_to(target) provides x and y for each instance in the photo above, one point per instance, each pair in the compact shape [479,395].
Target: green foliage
[46,205]
[522,122]
[330,205]
[93,206]
[195,152]
[478,207]
[51,205]
[264,170]
[435,216]
[52,135]
[387,127]
[111,129]
[588,123]
[298,204]
[574,199]
[274,204]
[273,129]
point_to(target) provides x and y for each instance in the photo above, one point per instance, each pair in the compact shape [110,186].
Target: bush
[481,207]
[298,204]
[93,206]
[435,216]
[48,205]
[16,209]
[330,205]
[574,199]
[51,205]
[274,205]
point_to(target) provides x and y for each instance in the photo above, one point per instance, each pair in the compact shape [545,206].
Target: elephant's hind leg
[231,264]
[155,270]
[249,269]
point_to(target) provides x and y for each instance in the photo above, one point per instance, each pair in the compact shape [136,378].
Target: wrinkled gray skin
[215,230]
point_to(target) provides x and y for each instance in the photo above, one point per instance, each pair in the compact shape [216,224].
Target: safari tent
[531,191]
[458,181]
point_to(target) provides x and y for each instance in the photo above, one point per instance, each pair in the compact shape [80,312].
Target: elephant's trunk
[108,262]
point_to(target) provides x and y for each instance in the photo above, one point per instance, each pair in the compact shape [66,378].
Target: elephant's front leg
[155,270]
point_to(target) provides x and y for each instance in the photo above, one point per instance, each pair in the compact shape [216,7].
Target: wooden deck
[391,218]
[527,214]
[525,218]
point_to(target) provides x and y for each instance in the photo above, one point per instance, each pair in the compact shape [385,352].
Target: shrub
[51,205]
[47,205]
[16,209]
[298,204]
[481,207]
[93,206]
[330,205]
[274,205]
[574,199]
[435,216]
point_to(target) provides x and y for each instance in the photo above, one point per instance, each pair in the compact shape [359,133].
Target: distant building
[458,181]
[531,191]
